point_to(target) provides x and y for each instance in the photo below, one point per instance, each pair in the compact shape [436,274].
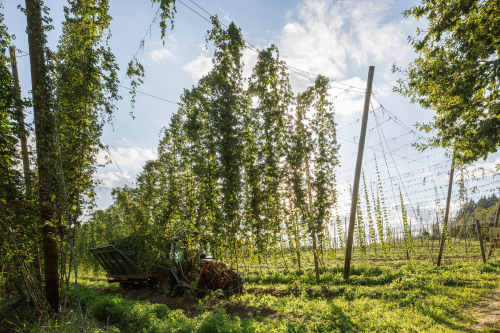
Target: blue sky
[339,39]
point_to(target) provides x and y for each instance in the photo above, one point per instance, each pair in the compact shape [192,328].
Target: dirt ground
[487,313]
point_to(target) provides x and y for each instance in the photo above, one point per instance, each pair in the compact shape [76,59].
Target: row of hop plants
[372,224]
[245,168]
[246,171]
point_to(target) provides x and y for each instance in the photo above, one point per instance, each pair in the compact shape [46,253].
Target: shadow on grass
[445,317]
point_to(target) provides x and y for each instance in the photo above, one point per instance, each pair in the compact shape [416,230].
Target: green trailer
[175,275]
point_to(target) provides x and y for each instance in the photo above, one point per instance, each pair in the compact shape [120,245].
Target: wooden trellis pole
[480,238]
[19,115]
[447,212]
[359,160]
[495,224]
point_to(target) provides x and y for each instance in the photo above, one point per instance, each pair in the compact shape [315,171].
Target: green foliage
[16,210]
[228,105]
[135,70]
[340,230]
[85,80]
[167,11]
[456,74]
[371,223]
[360,227]
[406,227]
[382,213]
[379,220]
[226,169]
[325,152]
[374,299]
[312,145]
[265,126]
[7,138]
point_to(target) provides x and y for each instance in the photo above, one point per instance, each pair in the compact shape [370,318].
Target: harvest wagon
[494,236]
[175,275]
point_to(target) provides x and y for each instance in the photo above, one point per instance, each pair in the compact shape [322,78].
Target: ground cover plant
[408,298]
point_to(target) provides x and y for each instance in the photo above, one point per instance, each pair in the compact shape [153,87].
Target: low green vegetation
[409,298]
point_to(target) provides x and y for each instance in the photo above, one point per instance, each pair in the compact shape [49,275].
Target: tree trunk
[46,152]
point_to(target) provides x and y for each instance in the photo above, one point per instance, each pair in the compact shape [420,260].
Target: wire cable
[149,95]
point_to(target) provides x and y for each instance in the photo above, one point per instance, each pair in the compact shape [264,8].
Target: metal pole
[447,212]
[359,160]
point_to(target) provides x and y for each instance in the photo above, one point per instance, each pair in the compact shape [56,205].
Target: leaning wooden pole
[357,173]
[446,213]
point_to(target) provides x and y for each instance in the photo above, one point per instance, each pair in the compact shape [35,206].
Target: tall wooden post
[495,224]
[447,212]
[46,149]
[23,136]
[19,115]
[480,238]
[359,160]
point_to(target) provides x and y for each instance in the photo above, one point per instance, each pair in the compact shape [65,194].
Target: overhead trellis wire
[300,72]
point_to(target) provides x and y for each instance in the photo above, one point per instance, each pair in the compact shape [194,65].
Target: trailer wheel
[126,285]
[165,284]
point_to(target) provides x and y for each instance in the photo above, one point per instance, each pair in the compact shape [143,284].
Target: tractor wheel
[233,283]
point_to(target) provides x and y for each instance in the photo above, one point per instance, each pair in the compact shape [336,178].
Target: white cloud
[198,67]
[202,64]
[161,54]
[348,96]
[339,39]
[111,179]
[131,158]
[122,164]
[249,60]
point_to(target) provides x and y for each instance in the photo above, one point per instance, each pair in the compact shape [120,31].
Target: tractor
[178,272]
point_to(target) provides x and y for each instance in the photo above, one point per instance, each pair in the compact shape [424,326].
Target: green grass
[408,298]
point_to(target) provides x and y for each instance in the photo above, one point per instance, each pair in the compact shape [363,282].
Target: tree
[85,77]
[228,103]
[46,149]
[264,132]
[297,152]
[74,91]
[325,161]
[11,204]
[457,74]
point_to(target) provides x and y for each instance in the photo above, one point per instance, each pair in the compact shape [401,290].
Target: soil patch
[487,313]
